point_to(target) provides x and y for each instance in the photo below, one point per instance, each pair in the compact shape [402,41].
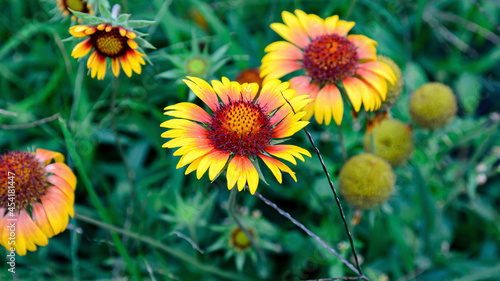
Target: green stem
[94,198]
[171,251]
[342,144]
[232,214]
[351,7]
[372,143]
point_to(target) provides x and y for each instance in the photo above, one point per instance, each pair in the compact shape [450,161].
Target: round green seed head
[433,105]
[393,91]
[393,141]
[366,180]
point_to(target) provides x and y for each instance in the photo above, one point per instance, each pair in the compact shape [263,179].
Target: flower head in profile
[82,6]
[110,38]
[329,61]
[36,195]
[240,128]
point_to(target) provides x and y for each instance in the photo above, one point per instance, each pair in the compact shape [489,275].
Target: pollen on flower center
[240,127]
[330,58]
[109,44]
[22,171]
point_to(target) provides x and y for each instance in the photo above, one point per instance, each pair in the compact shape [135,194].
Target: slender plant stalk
[342,144]
[372,142]
[310,233]
[32,124]
[171,251]
[332,187]
[338,278]
[94,198]
[234,217]
[128,170]
[351,8]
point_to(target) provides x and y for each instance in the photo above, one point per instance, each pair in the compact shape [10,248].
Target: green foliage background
[442,223]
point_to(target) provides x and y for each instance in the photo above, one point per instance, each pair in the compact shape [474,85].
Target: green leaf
[105,13]
[219,64]
[123,18]
[217,55]
[139,23]
[169,74]
[468,88]
[88,18]
[255,162]
[144,43]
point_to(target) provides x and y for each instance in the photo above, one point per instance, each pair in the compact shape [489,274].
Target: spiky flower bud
[366,180]
[433,105]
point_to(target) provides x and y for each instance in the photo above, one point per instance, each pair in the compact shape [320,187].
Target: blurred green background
[442,222]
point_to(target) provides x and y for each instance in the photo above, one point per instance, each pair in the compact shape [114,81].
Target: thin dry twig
[306,230]
[449,36]
[338,278]
[332,187]
[32,124]
[5,112]
[471,26]
[485,14]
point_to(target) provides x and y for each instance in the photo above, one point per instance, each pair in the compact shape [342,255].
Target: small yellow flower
[241,127]
[328,60]
[113,42]
[44,198]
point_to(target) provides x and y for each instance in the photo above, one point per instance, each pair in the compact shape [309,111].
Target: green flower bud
[433,105]
[393,141]
[393,91]
[366,180]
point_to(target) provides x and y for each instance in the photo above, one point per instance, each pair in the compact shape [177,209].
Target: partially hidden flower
[81,6]
[393,91]
[241,127]
[392,140]
[115,43]
[249,75]
[36,198]
[329,61]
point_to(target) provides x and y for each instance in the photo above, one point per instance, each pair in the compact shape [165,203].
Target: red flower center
[109,44]
[240,127]
[330,58]
[22,180]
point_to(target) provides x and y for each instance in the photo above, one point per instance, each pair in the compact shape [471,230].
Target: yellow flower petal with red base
[333,63]
[47,190]
[239,129]
[115,44]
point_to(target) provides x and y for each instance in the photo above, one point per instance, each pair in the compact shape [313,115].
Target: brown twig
[332,187]
[485,14]
[32,124]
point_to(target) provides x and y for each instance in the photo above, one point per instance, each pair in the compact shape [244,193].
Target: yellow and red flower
[76,5]
[36,196]
[113,42]
[329,59]
[241,127]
